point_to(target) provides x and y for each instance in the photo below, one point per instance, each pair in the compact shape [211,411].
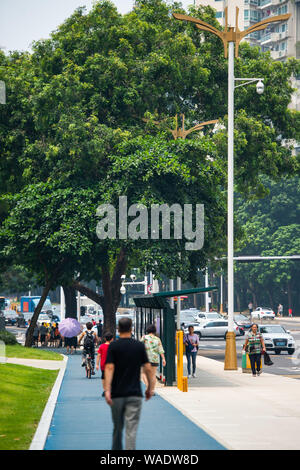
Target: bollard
[246,365]
[181,381]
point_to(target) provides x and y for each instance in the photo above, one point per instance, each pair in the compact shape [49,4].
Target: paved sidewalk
[82,419]
[40,364]
[241,411]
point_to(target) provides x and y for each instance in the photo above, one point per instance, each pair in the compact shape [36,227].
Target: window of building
[246,14]
[283,46]
[219,14]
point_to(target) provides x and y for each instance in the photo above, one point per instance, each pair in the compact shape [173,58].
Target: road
[284,364]
[214,348]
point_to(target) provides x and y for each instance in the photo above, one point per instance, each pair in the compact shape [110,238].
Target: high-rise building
[281,39]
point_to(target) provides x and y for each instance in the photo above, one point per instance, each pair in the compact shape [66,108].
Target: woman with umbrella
[69,329]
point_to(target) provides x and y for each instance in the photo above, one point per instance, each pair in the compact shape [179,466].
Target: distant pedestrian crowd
[46,335]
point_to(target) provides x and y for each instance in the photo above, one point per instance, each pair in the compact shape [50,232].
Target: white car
[205,316]
[277,339]
[214,329]
[44,318]
[263,312]
[187,317]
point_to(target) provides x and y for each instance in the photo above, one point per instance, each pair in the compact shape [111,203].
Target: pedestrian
[43,334]
[57,337]
[154,350]
[254,345]
[191,341]
[90,339]
[290,312]
[123,392]
[36,335]
[250,307]
[99,329]
[71,343]
[102,354]
[279,310]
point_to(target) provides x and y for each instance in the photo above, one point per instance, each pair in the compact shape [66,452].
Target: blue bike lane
[82,419]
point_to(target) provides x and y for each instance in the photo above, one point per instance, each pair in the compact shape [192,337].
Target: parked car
[214,329]
[187,317]
[263,312]
[277,338]
[10,317]
[44,318]
[205,316]
[21,322]
[242,321]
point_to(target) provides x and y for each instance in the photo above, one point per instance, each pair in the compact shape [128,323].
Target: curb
[39,439]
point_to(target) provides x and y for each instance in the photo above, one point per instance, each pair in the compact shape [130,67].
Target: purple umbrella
[69,327]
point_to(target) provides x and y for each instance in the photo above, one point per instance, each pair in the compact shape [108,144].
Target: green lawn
[24,392]
[19,351]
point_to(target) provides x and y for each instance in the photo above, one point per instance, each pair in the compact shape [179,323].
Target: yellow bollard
[181,381]
[184,384]
[246,366]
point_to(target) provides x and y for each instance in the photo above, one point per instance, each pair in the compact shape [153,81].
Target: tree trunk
[289,293]
[70,300]
[37,311]
[238,301]
[110,300]
[270,298]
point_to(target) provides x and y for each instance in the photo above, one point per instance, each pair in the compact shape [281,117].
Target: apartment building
[281,39]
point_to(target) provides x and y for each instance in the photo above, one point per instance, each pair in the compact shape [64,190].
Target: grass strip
[24,392]
[19,351]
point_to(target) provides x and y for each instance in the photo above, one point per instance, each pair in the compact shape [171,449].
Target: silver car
[277,339]
[214,329]
[205,316]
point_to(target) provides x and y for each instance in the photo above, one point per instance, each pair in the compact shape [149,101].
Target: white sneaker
[189,376]
[195,376]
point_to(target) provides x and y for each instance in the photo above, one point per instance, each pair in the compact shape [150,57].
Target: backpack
[88,340]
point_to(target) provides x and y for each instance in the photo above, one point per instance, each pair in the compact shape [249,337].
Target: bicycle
[88,366]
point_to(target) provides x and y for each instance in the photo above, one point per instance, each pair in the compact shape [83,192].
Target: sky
[24,21]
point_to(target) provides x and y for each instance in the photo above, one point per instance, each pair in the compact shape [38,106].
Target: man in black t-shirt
[123,392]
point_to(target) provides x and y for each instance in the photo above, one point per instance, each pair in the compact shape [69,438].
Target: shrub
[7,337]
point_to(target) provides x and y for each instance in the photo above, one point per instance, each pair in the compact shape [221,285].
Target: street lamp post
[231,38]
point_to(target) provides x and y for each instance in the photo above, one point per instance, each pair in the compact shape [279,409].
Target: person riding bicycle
[90,338]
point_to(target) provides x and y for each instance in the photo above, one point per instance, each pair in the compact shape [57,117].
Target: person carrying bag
[255,346]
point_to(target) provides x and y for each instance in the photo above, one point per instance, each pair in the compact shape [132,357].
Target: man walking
[123,392]
[100,329]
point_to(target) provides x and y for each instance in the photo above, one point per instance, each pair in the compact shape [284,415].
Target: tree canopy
[73,136]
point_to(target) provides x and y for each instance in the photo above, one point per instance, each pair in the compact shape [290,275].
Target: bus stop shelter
[155,309]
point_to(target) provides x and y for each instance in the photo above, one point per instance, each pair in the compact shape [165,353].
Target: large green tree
[84,93]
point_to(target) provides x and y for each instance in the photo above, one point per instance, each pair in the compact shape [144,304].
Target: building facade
[282,40]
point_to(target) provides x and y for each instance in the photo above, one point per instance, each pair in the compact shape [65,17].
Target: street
[284,364]
[214,348]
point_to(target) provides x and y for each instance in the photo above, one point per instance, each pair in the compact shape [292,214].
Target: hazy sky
[24,21]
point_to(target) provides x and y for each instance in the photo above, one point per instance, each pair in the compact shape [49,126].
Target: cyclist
[90,338]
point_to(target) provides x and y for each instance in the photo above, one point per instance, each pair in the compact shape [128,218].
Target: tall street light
[182,133]
[231,38]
